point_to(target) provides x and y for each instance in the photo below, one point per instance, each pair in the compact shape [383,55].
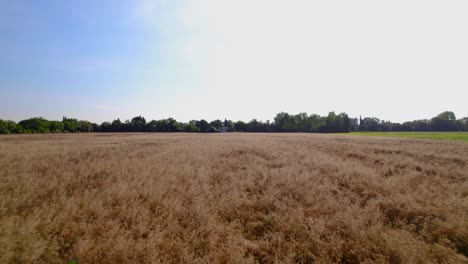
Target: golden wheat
[232,198]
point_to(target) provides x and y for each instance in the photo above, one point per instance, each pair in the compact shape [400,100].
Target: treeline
[283,122]
[39,125]
[445,121]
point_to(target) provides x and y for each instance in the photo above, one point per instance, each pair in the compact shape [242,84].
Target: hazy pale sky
[239,59]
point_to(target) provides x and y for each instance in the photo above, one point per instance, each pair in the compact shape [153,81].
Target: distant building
[223,129]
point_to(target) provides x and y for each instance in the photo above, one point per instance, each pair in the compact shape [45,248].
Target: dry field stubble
[232,198]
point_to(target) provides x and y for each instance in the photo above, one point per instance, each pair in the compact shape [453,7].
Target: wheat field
[232,198]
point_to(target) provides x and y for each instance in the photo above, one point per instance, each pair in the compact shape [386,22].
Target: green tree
[300,122]
[106,127]
[4,127]
[331,123]
[283,122]
[172,125]
[337,123]
[84,126]
[315,123]
[56,126]
[96,127]
[138,124]
[190,127]
[256,126]
[203,125]
[445,121]
[35,125]
[14,128]
[369,124]
[217,124]
[240,126]
[117,125]
[153,126]
[70,124]
[344,123]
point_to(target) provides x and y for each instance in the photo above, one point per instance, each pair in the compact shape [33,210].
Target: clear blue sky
[192,59]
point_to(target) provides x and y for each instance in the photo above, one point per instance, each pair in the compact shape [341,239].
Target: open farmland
[463,136]
[232,198]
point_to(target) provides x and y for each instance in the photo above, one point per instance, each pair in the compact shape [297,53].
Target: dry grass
[232,198]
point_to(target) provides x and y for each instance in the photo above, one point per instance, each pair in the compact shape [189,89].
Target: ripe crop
[232,198]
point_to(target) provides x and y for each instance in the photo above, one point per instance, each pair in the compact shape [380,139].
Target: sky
[99,60]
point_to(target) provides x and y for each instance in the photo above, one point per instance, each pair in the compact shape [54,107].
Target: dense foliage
[283,122]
